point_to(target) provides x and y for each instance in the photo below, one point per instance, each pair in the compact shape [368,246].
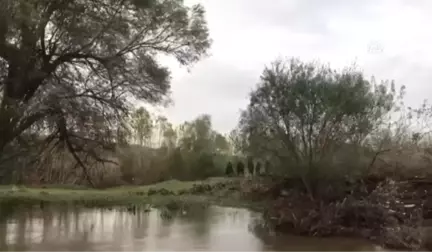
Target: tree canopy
[301,113]
[70,68]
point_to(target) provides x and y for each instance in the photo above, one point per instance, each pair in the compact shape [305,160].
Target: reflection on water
[213,228]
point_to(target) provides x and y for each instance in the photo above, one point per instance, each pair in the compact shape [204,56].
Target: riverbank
[217,191]
[373,211]
[376,210]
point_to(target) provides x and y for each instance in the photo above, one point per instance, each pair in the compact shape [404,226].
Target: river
[212,228]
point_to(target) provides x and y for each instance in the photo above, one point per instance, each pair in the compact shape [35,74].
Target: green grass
[116,196]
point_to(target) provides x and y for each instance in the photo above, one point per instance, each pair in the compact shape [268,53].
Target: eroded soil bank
[388,212]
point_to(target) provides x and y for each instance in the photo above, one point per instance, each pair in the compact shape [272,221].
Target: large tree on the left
[69,68]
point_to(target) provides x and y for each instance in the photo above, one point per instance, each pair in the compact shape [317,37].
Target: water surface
[212,228]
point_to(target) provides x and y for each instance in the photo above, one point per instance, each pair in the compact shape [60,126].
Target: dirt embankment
[386,211]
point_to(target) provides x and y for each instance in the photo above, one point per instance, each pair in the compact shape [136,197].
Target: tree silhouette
[69,69]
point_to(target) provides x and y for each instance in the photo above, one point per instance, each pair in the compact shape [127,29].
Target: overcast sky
[248,34]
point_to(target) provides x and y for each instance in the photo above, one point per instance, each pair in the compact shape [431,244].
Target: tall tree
[142,125]
[197,136]
[302,113]
[220,142]
[70,67]
[169,137]
[237,141]
[196,143]
[162,124]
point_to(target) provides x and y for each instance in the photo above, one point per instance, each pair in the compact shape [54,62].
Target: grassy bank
[217,190]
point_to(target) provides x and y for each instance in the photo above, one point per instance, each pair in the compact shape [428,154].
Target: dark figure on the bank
[229,171]
[250,166]
[258,169]
[240,168]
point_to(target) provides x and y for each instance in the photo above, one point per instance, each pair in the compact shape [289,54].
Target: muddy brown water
[88,229]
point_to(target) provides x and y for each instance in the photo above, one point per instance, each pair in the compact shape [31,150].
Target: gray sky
[248,34]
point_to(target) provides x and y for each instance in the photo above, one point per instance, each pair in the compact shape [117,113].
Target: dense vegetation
[71,72]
